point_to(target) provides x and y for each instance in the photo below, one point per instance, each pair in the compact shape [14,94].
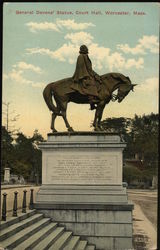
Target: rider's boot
[92,106]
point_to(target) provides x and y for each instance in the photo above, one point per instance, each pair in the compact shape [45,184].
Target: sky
[41,44]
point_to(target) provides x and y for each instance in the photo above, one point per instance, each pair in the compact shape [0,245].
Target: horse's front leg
[98,116]
[95,122]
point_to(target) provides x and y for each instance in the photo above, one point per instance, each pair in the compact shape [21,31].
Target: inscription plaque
[86,168]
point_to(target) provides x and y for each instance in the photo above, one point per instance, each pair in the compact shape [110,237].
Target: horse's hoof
[70,129]
[96,129]
[101,129]
[54,131]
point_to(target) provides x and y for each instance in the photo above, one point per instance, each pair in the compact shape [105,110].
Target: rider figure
[85,75]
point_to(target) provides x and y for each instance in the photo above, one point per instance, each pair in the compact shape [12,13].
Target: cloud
[79,38]
[16,74]
[69,24]
[68,51]
[138,64]
[26,66]
[42,51]
[126,49]
[102,57]
[149,85]
[64,53]
[150,43]
[116,61]
[33,26]
[145,43]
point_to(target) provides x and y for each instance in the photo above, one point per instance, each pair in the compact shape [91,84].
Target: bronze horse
[64,92]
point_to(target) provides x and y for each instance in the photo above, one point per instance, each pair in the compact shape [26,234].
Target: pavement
[144,218]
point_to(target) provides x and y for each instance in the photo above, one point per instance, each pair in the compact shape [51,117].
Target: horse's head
[124,88]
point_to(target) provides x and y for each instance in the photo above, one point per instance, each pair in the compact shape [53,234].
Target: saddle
[87,87]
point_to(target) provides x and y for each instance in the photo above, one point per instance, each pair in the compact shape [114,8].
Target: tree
[9,118]
[145,139]
[116,125]
[141,136]
[131,173]
[28,156]
[37,163]
[119,126]
[7,149]
[8,134]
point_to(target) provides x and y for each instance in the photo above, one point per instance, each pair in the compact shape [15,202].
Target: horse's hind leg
[55,114]
[70,129]
[52,122]
[63,113]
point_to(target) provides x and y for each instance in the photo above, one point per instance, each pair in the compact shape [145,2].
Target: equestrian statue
[85,87]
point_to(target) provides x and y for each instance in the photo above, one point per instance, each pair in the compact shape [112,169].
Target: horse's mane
[112,74]
[117,76]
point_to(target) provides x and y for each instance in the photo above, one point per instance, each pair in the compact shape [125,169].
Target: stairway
[32,231]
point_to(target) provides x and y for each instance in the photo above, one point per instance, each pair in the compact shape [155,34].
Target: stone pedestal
[82,187]
[6,175]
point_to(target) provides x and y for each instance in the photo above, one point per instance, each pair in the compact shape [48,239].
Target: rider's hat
[83,49]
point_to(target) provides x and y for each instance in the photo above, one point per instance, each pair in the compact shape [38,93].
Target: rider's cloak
[83,70]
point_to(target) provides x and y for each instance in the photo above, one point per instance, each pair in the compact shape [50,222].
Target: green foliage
[120,126]
[131,173]
[141,136]
[145,138]
[23,156]
[24,169]
[116,125]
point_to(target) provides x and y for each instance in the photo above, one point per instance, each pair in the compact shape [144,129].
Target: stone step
[61,241]
[81,245]
[90,247]
[72,243]
[15,228]
[12,220]
[31,231]
[37,237]
[16,239]
[50,239]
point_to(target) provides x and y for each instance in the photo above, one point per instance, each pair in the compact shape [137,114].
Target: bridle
[115,97]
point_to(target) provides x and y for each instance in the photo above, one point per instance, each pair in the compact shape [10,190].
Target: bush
[131,173]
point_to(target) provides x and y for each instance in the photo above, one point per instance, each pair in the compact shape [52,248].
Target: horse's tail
[47,94]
